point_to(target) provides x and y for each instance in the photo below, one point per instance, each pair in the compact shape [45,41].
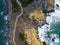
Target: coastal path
[16,21]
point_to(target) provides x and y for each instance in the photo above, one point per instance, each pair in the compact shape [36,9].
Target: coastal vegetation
[33,17]
[26,43]
[15,6]
[21,35]
[27,16]
[25,3]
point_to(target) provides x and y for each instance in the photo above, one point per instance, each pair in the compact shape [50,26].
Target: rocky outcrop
[31,37]
[39,16]
[47,5]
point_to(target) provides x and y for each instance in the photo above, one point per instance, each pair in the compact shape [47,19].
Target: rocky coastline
[7,13]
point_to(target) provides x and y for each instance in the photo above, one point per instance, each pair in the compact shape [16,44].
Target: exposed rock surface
[39,16]
[47,5]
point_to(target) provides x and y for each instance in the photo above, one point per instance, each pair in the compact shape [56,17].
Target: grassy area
[26,3]
[15,6]
[21,35]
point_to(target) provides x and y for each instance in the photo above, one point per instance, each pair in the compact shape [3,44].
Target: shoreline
[5,30]
[50,19]
[7,19]
[8,6]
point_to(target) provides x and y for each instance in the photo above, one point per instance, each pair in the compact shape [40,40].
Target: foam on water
[7,42]
[1,13]
[3,29]
[53,18]
[42,32]
[6,18]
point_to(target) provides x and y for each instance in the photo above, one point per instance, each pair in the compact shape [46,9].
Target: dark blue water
[3,30]
[56,29]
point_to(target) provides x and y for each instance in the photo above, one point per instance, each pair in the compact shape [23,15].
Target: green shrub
[26,3]
[33,17]
[21,35]
[15,5]
[26,43]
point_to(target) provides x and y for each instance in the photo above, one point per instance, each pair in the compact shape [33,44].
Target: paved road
[16,21]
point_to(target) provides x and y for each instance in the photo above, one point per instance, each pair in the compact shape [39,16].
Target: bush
[33,17]
[26,3]
[26,43]
[21,35]
[15,6]
[27,15]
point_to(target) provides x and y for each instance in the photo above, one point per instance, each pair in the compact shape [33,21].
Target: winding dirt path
[16,21]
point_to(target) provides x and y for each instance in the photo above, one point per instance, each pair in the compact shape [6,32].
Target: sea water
[3,27]
[55,25]
[50,33]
